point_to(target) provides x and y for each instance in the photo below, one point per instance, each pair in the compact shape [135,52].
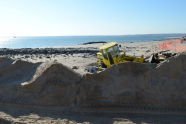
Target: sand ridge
[127,83]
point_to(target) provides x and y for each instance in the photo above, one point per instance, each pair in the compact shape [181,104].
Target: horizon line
[89,35]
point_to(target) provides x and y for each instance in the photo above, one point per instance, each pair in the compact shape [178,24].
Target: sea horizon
[94,35]
[57,41]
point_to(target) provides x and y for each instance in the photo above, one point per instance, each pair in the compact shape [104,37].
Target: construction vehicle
[110,54]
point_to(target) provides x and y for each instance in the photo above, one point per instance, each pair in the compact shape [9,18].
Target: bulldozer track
[135,109]
[98,109]
[109,113]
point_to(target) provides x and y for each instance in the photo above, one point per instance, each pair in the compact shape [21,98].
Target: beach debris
[92,69]
[159,57]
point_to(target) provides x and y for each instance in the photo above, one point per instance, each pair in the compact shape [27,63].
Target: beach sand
[81,57]
[53,85]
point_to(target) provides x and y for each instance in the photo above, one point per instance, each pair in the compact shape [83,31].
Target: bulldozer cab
[109,54]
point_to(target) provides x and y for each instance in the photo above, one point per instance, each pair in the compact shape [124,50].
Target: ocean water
[56,41]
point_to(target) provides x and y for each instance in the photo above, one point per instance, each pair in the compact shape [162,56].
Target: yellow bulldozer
[110,54]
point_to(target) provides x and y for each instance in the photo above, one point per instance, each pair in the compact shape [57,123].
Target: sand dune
[123,84]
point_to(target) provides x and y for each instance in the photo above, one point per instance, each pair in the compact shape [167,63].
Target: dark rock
[94,42]
[46,51]
[75,67]
[26,56]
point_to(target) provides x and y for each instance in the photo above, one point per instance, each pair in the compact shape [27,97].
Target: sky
[91,17]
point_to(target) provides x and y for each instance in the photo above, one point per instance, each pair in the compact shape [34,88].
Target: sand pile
[12,74]
[138,84]
[57,85]
[5,62]
[37,83]
[123,84]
